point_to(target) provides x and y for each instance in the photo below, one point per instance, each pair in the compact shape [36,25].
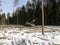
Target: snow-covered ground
[30,36]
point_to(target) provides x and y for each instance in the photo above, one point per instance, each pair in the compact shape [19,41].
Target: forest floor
[30,35]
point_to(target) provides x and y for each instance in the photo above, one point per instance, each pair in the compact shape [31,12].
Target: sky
[8,5]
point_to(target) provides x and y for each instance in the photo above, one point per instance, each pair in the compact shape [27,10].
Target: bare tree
[16,2]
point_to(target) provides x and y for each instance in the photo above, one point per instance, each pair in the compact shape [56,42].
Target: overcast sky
[7,5]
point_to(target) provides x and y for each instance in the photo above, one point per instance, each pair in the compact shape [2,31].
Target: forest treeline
[33,11]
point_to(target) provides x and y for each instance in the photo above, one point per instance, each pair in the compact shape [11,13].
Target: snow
[15,36]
